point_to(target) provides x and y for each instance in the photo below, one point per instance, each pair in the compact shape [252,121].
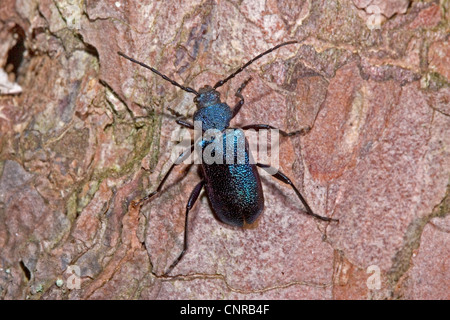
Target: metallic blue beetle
[234,190]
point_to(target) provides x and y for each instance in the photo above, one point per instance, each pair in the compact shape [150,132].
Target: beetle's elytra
[234,190]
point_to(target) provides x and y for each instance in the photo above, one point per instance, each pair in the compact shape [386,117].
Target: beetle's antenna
[221,82]
[188,89]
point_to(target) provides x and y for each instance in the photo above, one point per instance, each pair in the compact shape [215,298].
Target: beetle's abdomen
[234,192]
[216,116]
[234,189]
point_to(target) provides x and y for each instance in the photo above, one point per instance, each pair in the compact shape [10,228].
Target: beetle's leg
[180,119]
[185,124]
[283,178]
[192,199]
[183,156]
[238,94]
[258,127]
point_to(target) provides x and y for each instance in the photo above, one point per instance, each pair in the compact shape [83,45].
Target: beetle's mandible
[234,190]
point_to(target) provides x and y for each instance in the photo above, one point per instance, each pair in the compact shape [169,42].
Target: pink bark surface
[91,132]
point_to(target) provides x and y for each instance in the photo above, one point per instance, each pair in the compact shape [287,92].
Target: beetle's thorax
[212,113]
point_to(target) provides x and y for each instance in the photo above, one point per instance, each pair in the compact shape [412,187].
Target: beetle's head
[207,96]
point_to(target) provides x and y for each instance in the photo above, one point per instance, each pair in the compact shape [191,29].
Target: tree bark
[84,132]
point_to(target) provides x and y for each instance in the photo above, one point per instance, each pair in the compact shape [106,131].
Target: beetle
[234,189]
